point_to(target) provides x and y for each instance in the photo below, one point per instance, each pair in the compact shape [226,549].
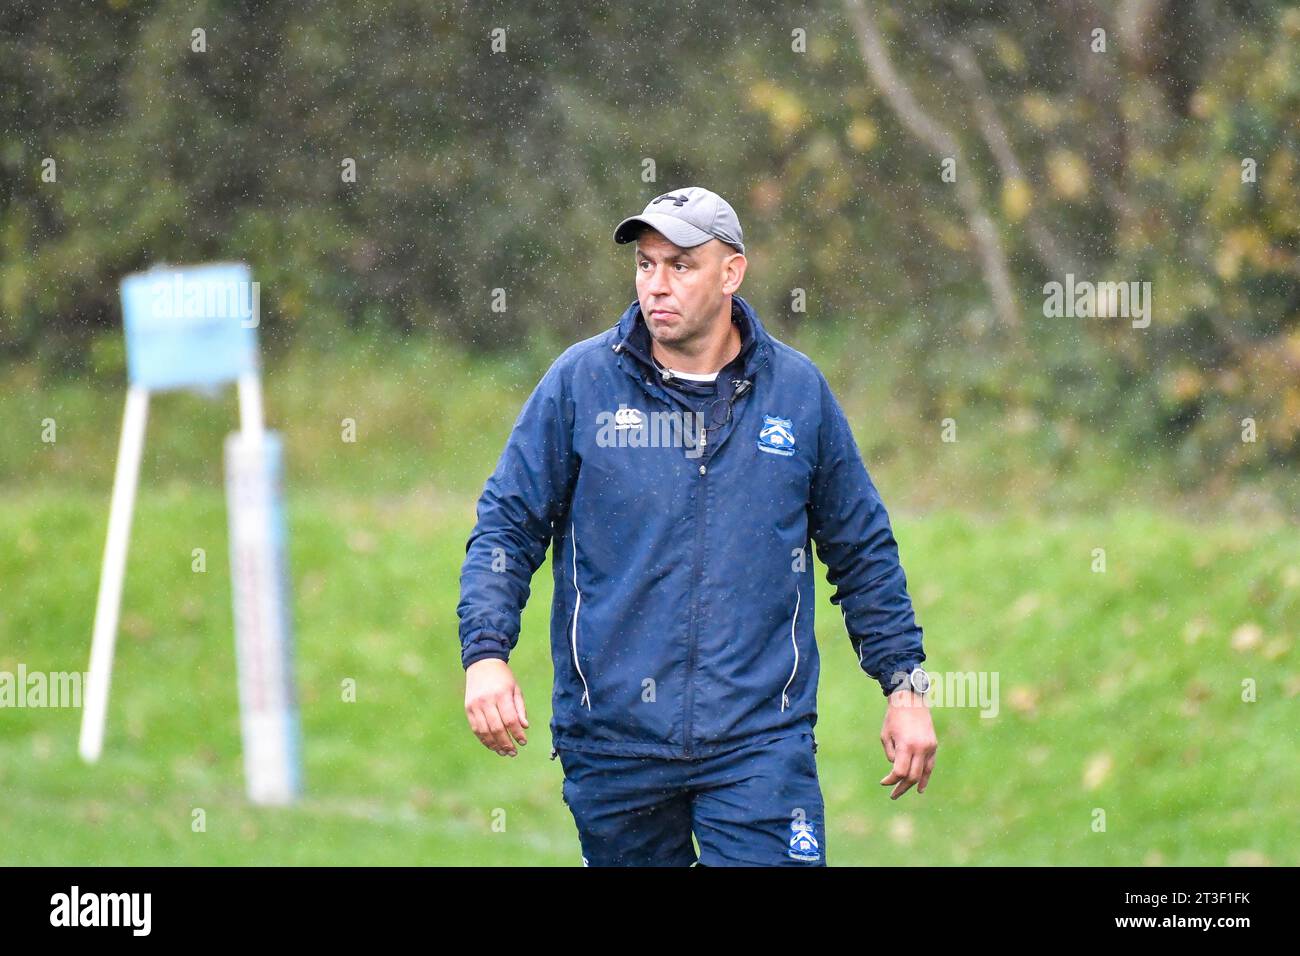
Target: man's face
[682,290]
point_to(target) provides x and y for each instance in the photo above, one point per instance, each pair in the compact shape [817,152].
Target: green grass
[1118,691]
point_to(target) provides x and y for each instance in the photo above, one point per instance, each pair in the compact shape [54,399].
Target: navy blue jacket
[682,612]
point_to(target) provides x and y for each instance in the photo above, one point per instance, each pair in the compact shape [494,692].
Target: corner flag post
[187,327]
[109,603]
[259,582]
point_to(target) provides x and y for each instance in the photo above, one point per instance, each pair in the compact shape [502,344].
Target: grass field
[1120,691]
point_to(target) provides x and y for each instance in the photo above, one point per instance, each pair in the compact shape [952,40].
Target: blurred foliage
[479,170]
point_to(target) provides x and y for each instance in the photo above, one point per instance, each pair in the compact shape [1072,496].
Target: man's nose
[657,280]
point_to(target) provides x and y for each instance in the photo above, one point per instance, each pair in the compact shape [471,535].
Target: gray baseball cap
[686,217]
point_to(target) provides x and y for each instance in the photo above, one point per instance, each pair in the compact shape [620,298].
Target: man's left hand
[909,741]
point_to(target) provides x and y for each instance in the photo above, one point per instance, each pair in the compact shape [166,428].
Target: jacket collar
[632,337]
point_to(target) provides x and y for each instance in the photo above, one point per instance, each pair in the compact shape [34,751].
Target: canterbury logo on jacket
[682,613]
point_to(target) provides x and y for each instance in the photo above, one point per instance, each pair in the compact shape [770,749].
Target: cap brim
[677,231]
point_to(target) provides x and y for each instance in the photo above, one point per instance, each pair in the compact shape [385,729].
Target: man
[682,462]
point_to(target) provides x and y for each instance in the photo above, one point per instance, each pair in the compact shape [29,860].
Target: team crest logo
[803,845]
[776,436]
[628,418]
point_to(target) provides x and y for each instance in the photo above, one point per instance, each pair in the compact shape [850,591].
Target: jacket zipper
[701,492]
[700,515]
[577,605]
[699,554]
[785,700]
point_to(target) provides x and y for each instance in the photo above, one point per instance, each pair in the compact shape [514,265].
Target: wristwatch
[918,680]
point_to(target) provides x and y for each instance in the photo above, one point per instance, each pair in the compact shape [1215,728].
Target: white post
[250,405]
[130,448]
[258,556]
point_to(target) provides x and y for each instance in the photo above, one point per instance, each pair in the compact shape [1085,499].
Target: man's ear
[733,272]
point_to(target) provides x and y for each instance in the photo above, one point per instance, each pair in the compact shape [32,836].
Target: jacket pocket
[794,645]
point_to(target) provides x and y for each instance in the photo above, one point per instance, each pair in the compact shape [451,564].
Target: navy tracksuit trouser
[757,805]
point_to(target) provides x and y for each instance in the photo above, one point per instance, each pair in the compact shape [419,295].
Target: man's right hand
[494,705]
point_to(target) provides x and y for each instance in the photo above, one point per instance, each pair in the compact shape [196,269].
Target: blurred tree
[1163,149]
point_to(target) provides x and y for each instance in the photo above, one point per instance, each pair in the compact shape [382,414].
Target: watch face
[920,681]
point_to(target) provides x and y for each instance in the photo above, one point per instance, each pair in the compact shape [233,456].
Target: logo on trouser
[803,845]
